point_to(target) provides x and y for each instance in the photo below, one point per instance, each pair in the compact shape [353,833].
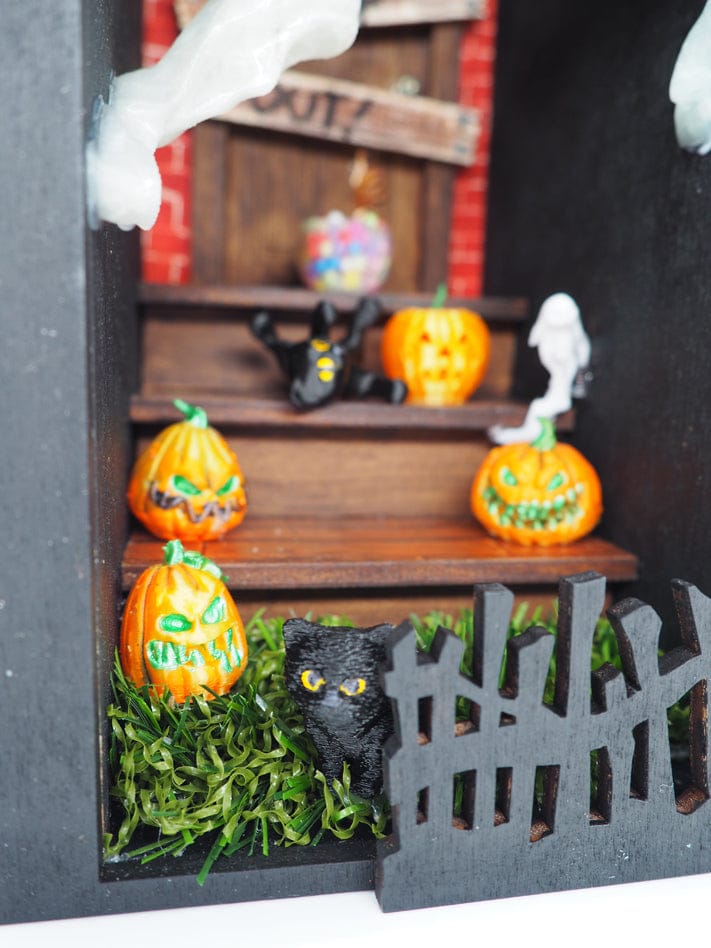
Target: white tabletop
[664,912]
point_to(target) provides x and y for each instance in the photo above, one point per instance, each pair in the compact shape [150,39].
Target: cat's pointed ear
[379,633]
[296,631]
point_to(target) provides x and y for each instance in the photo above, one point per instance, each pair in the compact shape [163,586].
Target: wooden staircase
[359,508]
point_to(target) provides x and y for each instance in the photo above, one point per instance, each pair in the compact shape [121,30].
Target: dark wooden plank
[438,179]
[351,554]
[401,12]
[208,202]
[297,300]
[262,413]
[377,13]
[359,114]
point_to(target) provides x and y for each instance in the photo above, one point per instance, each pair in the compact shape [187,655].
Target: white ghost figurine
[564,349]
[690,87]
[231,51]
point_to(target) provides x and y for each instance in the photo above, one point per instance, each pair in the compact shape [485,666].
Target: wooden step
[248,413]
[302,554]
[298,301]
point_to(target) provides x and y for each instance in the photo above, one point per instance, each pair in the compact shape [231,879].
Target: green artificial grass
[240,769]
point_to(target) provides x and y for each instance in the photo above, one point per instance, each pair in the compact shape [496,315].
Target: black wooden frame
[68,358]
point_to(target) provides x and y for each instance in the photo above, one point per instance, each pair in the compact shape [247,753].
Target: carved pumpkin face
[181,630]
[540,493]
[441,354]
[188,483]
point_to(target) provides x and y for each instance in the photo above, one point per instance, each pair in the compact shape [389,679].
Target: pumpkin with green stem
[440,352]
[538,493]
[181,630]
[188,483]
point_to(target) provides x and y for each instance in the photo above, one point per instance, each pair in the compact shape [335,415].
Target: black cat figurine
[318,369]
[332,674]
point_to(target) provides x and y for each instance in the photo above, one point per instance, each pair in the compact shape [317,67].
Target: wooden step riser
[221,357]
[336,476]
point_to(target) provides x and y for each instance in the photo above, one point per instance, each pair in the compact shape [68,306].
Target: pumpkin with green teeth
[181,631]
[540,493]
[188,484]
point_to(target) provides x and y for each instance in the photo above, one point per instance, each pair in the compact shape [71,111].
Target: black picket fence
[518,796]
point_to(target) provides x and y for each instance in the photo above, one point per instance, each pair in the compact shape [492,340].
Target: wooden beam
[356,114]
[381,12]
[401,12]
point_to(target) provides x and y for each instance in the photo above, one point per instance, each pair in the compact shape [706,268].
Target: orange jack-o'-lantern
[188,483]
[181,631]
[539,493]
[440,353]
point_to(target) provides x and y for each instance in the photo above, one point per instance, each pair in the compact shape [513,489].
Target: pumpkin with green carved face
[539,493]
[188,483]
[181,630]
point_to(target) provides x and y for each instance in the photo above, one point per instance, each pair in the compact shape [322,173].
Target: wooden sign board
[341,111]
[382,12]
[401,12]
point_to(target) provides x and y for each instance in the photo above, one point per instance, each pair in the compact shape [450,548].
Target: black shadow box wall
[591,194]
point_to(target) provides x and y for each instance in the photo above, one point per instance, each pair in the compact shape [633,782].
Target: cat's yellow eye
[312,680]
[352,687]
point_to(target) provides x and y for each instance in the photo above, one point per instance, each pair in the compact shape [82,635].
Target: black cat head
[333,676]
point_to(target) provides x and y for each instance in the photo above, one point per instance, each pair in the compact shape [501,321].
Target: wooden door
[254,187]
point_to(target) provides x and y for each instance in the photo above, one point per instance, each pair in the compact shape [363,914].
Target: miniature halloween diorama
[564,350]
[188,484]
[538,493]
[181,630]
[333,677]
[441,352]
[349,253]
[319,370]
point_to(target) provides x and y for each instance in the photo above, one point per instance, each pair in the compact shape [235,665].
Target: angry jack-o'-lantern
[181,631]
[188,483]
[540,493]
[440,353]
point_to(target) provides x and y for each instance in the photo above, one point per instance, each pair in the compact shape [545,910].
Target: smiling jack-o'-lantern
[181,630]
[188,483]
[440,353]
[540,493]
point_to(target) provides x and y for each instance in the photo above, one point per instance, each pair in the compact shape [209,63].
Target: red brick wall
[166,249]
[476,88]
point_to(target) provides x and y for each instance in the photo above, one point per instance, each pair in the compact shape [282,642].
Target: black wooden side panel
[67,366]
[590,194]
[65,361]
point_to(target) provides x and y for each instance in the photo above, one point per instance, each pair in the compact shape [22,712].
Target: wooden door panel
[253,188]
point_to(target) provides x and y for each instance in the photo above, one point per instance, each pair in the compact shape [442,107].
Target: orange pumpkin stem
[546,440]
[196,416]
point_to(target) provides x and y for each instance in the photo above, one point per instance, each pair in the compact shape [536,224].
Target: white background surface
[667,912]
